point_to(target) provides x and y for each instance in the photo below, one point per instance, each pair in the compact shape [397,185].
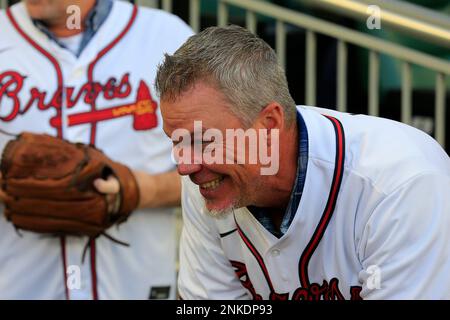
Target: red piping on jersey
[59,115]
[59,77]
[63,255]
[99,56]
[50,58]
[257,256]
[93,270]
[90,76]
[324,220]
[331,203]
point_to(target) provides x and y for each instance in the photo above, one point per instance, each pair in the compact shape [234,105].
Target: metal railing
[344,36]
[405,17]
[167,5]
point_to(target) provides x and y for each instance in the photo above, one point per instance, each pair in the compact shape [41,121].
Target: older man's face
[223,185]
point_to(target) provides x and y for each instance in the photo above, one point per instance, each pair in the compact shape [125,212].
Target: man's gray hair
[241,65]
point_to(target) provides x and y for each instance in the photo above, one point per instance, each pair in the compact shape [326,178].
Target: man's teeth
[211,184]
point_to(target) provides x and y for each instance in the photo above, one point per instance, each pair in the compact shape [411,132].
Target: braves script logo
[326,291]
[142,110]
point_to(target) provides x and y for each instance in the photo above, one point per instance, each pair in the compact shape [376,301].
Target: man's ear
[271,117]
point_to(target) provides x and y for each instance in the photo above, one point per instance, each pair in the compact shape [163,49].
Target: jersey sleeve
[205,272]
[172,31]
[405,247]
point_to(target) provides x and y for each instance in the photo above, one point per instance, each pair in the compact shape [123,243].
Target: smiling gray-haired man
[358,208]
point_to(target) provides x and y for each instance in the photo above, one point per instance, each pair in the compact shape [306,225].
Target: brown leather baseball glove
[48,183]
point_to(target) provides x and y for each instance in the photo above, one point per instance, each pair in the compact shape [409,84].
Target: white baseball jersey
[373,222]
[105,96]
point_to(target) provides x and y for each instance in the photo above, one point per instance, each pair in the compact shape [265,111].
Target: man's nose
[187,169]
[188,161]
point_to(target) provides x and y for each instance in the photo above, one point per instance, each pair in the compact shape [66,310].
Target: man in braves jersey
[92,83]
[357,208]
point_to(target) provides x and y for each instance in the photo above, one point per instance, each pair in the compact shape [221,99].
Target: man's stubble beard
[243,201]
[221,213]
